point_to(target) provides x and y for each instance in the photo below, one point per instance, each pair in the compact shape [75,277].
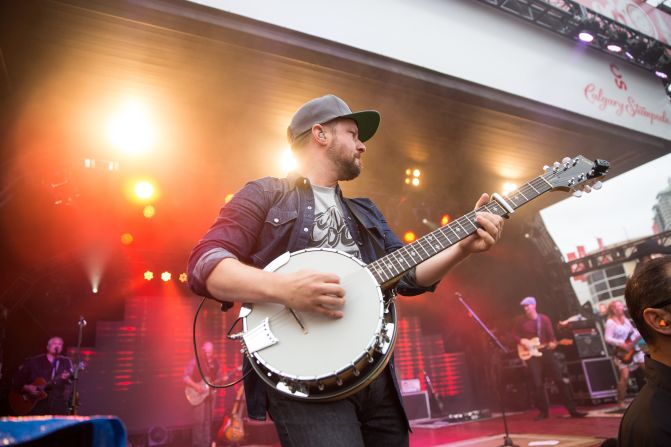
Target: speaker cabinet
[417,405]
[593,380]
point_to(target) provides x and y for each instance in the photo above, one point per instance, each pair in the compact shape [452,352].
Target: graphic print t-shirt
[330,230]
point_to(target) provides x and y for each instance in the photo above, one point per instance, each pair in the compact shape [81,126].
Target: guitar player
[201,433]
[534,325]
[623,338]
[42,383]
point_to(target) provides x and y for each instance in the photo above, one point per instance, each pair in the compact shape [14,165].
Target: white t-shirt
[330,229]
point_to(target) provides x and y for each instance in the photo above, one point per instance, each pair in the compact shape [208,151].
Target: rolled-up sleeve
[232,235]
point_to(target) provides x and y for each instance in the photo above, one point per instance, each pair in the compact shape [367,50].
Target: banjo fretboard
[400,261]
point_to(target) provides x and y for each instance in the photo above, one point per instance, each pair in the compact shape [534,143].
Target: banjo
[309,356]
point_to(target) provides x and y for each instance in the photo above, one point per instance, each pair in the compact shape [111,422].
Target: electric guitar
[626,355]
[534,350]
[196,396]
[233,428]
[308,356]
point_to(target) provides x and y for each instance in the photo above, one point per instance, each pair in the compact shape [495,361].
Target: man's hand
[491,227]
[31,389]
[311,291]
[552,345]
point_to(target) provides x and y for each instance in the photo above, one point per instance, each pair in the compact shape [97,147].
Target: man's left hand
[489,233]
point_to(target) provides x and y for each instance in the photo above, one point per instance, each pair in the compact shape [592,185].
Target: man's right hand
[31,389]
[312,291]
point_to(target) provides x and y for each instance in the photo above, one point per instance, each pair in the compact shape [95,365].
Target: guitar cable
[195,350]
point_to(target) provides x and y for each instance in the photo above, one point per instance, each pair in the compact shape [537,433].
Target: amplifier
[417,405]
[593,380]
[589,343]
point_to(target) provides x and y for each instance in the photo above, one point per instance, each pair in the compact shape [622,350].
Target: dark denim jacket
[269,217]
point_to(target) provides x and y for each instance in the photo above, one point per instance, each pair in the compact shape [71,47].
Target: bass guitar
[311,357]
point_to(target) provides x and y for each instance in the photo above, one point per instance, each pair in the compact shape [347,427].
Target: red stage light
[149,211]
[182,277]
[127,239]
[409,236]
[166,276]
[148,275]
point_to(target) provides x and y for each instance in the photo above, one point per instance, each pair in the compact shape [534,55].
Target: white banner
[476,42]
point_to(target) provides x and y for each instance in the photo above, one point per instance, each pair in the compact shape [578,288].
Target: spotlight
[148,275]
[94,289]
[228,197]
[183,277]
[445,220]
[587,30]
[127,239]
[409,236]
[663,68]
[412,176]
[149,211]
[144,190]
[616,40]
[166,276]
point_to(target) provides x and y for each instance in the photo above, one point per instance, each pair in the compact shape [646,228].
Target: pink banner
[636,14]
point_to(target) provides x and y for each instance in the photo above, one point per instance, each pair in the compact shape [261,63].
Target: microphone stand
[73,403]
[438,401]
[507,440]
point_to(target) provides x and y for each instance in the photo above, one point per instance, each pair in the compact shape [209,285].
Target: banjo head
[328,347]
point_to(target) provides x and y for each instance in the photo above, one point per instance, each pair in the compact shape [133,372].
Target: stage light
[144,190]
[288,162]
[409,236]
[183,277]
[412,176]
[663,68]
[94,289]
[228,197]
[149,211]
[508,187]
[148,275]
[616,40]
[166,276]
[587,30]
[131,130]
[127,238]
[444,220]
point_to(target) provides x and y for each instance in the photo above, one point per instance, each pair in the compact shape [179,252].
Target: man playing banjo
[307,214]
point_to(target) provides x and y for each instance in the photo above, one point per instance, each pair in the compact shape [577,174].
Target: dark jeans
[538,368]
[370,417]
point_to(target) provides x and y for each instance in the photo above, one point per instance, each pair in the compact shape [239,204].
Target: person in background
[647,421]
[200,395]
[628,356]
[43,381]
[533,333]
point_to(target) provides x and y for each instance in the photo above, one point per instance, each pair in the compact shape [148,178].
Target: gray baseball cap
[528,300]
[326,108]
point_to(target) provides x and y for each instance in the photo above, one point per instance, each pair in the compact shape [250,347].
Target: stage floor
[592,430]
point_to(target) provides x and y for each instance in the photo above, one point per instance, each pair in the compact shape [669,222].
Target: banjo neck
[389,268]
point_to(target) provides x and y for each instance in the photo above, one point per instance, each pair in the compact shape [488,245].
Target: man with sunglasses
[647,421]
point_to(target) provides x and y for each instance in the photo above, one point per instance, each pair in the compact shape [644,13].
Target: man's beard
[348,169]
